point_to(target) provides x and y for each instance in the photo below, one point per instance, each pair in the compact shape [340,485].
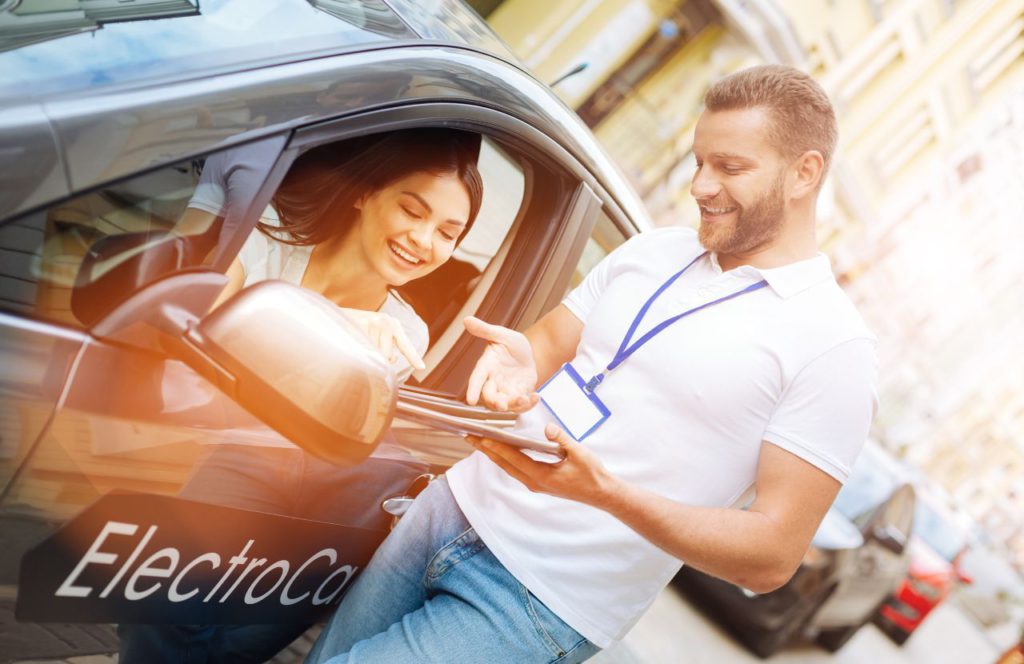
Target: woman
[350,221]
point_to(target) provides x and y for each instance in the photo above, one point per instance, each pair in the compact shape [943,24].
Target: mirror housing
[294,360]
[287,355]
[890,538]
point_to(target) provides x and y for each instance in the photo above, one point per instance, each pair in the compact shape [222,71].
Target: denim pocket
[465,546]
[565,643]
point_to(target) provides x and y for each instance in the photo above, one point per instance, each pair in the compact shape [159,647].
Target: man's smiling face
[740,181]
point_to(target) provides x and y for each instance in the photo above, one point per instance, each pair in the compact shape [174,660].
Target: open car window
[75,261]
[456,288]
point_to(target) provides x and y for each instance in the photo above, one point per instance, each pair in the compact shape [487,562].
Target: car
[1014,654]
[117,381]
[937,547]
[856,558]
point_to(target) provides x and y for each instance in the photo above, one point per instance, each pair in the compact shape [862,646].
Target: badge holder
[578,411]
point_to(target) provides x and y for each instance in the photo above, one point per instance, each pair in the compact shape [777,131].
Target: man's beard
[755,226]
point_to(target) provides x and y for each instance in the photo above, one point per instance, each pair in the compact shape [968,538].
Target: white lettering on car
[253,564]
[164,563]
[172,591]
[149,569]
[233,562]
[348,570]
[93,555]
[280,564]
[129,561]
[287,599]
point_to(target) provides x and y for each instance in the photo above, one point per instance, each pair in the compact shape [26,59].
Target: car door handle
[397,506]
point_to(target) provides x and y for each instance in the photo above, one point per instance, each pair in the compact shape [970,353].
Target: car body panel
[33,171]
[149,127]
[37,359]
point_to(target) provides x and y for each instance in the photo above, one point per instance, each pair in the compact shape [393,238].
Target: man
[711,367]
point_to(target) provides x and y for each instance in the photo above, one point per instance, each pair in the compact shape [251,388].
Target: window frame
[571,194]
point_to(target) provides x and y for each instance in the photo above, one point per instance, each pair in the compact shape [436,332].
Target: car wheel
[895,634]
[834,639]
[766,644]
[899,637]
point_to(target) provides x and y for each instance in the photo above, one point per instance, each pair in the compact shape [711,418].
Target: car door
[134,420]
[83,416]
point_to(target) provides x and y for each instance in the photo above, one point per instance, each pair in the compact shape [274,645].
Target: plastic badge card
[578,411]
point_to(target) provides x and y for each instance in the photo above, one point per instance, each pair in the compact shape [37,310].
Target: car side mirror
[890,538]
[287,355]
[962,575]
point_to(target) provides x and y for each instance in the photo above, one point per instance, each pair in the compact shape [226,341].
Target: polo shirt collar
[788,280]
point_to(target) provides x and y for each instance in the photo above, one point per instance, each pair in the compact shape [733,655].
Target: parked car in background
[937,546]
[857,557]
[115,382]
[1014,654]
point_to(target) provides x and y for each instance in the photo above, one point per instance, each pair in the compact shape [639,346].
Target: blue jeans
[433,592]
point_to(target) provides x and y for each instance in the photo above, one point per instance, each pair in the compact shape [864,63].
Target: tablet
[447,422]
[447,403]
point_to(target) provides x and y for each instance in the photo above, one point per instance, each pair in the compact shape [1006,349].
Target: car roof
[45,54]
[132,95]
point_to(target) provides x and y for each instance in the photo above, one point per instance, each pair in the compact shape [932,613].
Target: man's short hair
[801,114]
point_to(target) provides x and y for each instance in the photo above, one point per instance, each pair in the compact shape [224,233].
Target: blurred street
[674,631]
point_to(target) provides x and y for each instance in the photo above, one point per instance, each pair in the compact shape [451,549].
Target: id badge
[578,412]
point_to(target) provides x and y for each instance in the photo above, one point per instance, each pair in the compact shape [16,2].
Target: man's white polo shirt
[792,364]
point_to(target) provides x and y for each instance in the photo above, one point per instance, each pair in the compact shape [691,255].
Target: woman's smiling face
[410,227]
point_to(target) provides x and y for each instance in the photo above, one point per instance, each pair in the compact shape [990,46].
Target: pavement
[673,631]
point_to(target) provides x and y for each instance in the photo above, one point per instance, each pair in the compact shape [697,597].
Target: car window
[899,512]
[77,260]
[605,237]
[938,532]
[68,49]
[456,288]
[867,487]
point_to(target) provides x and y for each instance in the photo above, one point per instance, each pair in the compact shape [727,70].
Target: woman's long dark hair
[317,198]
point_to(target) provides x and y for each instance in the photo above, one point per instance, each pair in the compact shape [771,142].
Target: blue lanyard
[625,349]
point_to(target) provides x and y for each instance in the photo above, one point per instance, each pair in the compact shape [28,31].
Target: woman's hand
[505,375]
[387,334]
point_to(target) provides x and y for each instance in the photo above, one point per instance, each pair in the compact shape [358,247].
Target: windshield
[45,49]
[869,484]
[939,533]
